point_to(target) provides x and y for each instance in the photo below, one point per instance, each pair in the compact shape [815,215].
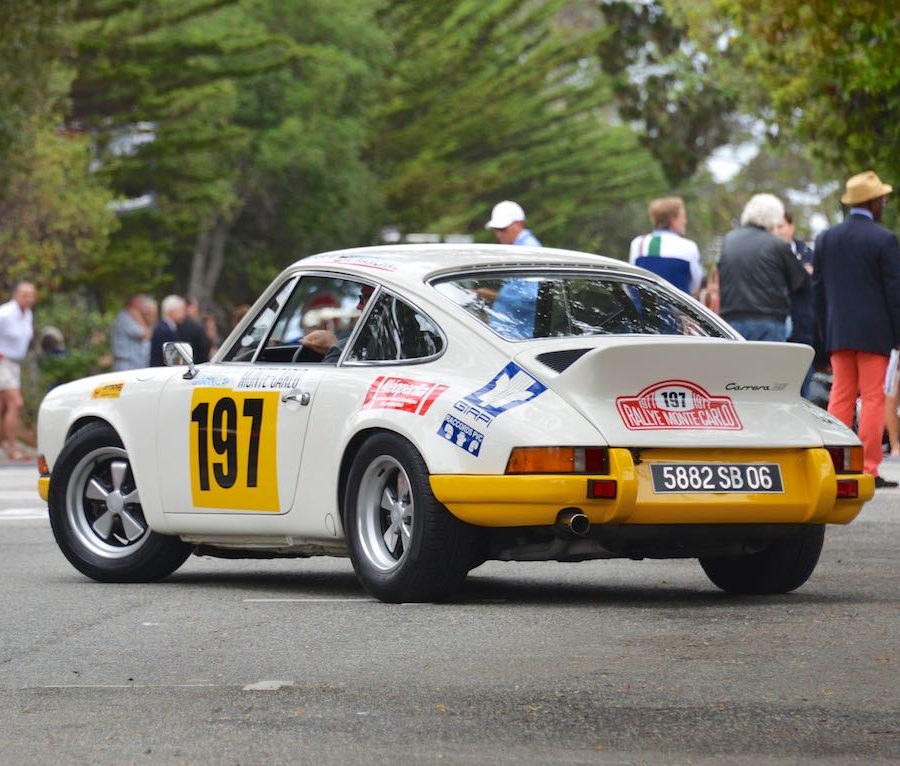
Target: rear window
[522,306]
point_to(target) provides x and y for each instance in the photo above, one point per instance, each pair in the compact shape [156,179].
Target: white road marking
[17,514]
[304,600]
[267,686]
[129,686]
[20,494]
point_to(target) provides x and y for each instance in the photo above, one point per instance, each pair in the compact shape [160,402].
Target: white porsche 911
[460,404]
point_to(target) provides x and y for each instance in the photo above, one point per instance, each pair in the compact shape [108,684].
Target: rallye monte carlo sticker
[509,388]
[404,394]
[232,442]
[677,405]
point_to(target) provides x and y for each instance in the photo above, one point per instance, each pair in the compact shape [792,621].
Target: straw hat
[865,186]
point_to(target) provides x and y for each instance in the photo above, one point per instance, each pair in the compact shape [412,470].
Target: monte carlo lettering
[677,405]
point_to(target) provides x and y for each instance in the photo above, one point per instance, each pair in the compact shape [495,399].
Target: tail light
[846,459]
[558,460]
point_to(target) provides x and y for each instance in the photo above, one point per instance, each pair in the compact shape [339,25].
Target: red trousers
[859,373]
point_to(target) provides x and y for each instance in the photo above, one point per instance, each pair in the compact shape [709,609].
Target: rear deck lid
[684,392]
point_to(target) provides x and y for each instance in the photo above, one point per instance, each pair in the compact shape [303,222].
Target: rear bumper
[809,496]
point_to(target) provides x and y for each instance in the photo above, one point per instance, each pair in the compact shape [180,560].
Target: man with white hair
[173,310]
[758,273]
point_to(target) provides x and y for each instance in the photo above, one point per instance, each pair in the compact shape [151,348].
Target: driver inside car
[325,342]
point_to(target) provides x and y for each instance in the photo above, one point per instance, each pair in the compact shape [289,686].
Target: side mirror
[179,354]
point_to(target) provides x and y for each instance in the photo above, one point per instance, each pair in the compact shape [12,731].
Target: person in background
[803,315]
[16,332]
[666,251]
[237,314]
[129,339]
[173,313]
[211,328]
[856,290]
[513,307]
[508,223]
[758,273]
[191,330]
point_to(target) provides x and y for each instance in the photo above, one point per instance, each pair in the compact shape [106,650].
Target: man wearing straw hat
[856,287]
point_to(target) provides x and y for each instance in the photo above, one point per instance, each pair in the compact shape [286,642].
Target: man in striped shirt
[666,251]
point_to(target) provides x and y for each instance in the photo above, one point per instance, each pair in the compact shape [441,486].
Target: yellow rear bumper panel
[808,475]
[44,487]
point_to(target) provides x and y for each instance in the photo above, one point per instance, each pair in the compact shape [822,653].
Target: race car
[423,409]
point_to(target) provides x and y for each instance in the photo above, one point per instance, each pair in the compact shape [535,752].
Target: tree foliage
[155,88]
[32,36]
[488,101]
[818,72]
[661,81]
[55,215]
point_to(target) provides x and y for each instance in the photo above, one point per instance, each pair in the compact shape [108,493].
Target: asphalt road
[608,662]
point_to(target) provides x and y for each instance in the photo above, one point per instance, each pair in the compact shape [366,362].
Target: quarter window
[395,331]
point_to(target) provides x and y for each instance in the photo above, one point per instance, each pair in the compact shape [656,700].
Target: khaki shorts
[10,374]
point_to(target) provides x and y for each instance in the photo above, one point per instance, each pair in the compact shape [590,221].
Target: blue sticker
[462,435]
[509,388]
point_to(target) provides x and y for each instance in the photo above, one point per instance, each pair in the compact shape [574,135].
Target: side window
[395,331]
[319,305]
[246,346]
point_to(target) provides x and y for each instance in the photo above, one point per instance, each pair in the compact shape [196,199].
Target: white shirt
[15,331]
[671,256]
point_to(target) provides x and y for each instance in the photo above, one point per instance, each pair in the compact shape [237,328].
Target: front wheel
[783,566]
[404,545]
[96,514]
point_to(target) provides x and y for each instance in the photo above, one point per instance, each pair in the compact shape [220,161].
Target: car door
[232,437]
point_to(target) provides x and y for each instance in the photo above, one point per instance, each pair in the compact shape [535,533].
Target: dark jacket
[757,274]
[803,313]
[162,333]
[856,286]
[191,331]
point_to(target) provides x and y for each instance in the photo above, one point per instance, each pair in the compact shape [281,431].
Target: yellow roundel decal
[233,449]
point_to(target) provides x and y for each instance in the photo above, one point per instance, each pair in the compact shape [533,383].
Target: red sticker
[677,405]
[401,394]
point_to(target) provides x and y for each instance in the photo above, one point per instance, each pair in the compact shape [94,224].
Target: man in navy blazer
[856,288]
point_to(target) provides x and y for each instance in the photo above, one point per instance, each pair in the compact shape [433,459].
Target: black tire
[782,567]
[404,545]
[96,515]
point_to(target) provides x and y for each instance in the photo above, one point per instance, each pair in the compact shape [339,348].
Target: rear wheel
[782,567]
[404,545]
[96,514]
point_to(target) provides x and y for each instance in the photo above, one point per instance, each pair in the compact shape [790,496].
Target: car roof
[411,265]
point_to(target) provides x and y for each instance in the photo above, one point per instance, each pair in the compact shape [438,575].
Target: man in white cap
[856,288]
[514,306]
[508,223]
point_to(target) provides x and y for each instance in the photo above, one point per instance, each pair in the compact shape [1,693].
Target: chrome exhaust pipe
[574,521]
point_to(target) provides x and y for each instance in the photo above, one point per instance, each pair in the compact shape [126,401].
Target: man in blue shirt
[513,310]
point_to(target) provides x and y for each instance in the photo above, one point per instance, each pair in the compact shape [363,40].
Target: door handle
[302,397]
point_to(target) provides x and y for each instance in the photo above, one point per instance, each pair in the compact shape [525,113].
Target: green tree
[304,184]
[498,100]
[661,81]
[819,73]
[55,215]
[32,35]
[155,88]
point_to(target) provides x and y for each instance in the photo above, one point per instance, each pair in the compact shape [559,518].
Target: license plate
[716,477]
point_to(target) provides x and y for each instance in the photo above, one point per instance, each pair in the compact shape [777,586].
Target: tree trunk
[208,262]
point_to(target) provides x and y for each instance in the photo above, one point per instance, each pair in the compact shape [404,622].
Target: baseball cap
[505,213]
